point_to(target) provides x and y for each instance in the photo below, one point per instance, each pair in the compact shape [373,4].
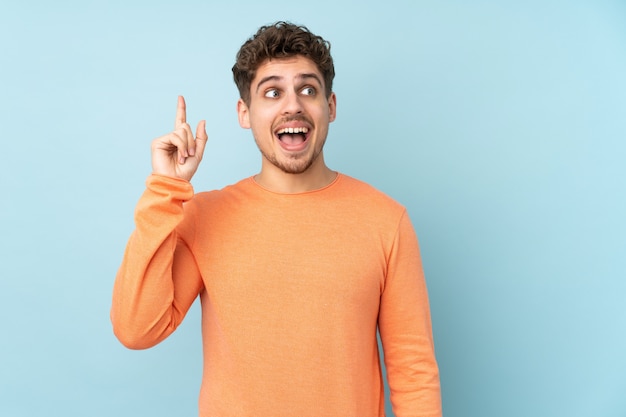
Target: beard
[296,164]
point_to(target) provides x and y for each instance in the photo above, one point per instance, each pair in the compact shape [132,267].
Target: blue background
[500,125]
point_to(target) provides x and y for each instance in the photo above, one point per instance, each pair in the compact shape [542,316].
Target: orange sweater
[292,287]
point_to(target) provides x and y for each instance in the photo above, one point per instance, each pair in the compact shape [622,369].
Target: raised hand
[178,154]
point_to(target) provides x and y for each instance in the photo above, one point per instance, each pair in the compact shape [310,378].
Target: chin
[297,168]
[294,165]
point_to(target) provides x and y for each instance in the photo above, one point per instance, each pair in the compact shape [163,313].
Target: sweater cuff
[174,188]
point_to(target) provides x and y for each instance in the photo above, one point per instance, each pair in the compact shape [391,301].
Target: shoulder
[365,193]
[367,207]
[228,196]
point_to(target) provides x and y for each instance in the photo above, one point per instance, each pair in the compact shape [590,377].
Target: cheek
[261,118]
[261,128]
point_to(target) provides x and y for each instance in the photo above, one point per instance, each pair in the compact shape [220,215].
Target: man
[295,267]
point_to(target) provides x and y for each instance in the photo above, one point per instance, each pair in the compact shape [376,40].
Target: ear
[243,114]
[332,107]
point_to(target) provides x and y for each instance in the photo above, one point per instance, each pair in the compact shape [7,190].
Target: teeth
[293,130]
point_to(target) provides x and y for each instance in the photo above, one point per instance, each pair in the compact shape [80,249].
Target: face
[288,113]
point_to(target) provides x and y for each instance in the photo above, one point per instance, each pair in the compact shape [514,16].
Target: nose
[292,104]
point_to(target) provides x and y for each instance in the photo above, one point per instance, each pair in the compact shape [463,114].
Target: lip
[293,148]
[292,124]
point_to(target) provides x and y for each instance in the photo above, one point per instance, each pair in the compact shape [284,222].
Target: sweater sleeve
[405,330]
[158,279]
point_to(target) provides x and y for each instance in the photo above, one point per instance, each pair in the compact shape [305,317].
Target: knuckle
[178,137]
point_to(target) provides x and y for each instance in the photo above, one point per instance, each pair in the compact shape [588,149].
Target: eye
[309,91]
[272,93]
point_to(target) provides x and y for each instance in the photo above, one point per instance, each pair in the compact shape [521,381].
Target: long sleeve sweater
[293,288]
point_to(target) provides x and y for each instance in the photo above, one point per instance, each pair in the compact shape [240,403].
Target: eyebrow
[280,78]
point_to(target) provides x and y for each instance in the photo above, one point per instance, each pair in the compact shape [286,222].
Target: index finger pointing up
[181,112]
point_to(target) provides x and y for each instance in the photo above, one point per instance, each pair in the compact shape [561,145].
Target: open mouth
[292,137]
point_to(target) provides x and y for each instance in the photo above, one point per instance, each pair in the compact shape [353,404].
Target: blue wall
[500,125]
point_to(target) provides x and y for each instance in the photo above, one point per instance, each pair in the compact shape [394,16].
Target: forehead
[286,69]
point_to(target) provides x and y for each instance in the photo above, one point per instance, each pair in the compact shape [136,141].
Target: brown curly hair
[281,40]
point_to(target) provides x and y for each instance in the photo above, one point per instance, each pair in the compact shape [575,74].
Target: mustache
[295,118]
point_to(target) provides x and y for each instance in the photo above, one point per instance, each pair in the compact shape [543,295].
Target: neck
[315,177]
